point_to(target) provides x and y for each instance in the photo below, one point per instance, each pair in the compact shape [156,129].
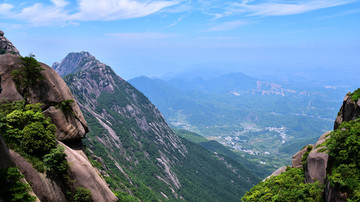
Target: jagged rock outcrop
[349,110]
[50,92]
[75,62]
[6,46]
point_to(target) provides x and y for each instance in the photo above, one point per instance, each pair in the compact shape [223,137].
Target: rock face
[348,111]
[6,46]
[50,92]
[86,176]
[317,163]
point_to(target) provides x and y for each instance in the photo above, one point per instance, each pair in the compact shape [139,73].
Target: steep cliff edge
[326,171]
[58,104]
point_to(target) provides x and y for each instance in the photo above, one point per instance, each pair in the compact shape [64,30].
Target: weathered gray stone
[316,165]
[277,172]
[1,33]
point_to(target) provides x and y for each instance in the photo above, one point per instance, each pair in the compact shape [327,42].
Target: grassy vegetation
[355,96]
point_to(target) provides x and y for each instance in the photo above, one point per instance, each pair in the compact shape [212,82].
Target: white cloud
[274,8]
[58,13]
[228,25]
[118,9]
[59,3]
[5,8]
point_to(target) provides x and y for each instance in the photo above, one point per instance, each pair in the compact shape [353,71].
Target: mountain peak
[6,46]
[75,62]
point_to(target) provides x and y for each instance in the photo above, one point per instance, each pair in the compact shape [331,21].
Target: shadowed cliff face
[350,110]
[71,126]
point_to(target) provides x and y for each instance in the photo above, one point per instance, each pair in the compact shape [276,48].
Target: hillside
[329,170]
[132,145]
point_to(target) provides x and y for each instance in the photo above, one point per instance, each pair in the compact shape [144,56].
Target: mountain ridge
[131,132]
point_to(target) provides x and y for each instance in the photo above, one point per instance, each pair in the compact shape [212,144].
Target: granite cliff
[51,92]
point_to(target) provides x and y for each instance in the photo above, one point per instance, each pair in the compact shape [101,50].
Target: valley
[258,120]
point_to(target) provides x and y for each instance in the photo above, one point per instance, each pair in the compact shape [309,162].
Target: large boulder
[50,92]
[316,165]
[349,110]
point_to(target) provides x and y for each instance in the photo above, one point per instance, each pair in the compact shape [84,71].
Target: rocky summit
[6,46]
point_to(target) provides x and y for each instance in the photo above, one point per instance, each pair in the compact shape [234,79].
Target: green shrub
[288,186]
[55,161]
[306,154]
[344,148]
[82,195]
[11,188]
[27,129]
[66,106]
[355,96]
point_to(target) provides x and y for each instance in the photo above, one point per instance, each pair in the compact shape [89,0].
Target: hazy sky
[150,37]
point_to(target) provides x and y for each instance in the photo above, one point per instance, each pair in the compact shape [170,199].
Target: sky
[166,37]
